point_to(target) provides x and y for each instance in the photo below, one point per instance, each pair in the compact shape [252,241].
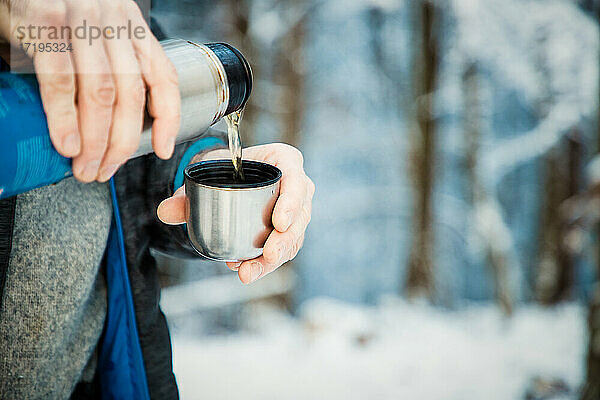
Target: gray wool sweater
[54,301]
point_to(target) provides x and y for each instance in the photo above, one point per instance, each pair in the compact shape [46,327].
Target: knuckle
[55,12]
[90,9]
[293,151]
[284,147]
[144,54]
[133,8]
[134,93]
[62,120]
[299,155]
[59,84]
[103,93]
[118,6]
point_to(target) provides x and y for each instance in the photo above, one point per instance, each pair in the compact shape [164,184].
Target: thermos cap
[239,74]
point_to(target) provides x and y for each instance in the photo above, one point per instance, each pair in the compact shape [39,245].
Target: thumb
[172,210]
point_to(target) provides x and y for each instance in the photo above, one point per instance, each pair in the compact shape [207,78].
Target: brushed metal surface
[229,224]
[203,88]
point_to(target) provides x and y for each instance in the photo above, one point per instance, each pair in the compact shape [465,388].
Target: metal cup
[227,220]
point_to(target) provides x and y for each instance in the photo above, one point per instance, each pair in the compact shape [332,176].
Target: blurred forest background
[453,249]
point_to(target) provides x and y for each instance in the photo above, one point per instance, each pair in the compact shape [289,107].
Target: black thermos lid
[239,74]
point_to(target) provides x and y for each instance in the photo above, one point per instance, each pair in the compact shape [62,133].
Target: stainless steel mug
[228,220]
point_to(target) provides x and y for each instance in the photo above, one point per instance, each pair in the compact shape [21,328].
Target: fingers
[297,191]
[164,103]
[252,270]
[288,204]
[128,113]
[293,181]
[96,93]
[292,191]
[233,265]
[172,210]
[282,247]
[57,89]
[279,248]
[291,214]
[55,73]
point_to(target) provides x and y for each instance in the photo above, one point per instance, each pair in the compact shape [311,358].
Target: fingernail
[90,170]
[70,145]
[256,269]
[236,266]
[107,172]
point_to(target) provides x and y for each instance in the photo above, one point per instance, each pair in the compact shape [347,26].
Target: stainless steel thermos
[214,80]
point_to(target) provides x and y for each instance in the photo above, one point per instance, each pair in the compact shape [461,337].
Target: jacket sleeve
[144,182]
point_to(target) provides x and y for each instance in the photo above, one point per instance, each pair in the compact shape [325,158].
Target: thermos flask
[214,80]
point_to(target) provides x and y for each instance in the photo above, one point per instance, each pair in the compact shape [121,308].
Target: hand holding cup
[291,213]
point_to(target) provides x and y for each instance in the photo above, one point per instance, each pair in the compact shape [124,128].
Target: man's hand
[291,214]
[94,95]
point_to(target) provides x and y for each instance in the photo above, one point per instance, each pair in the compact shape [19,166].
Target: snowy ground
[392,351]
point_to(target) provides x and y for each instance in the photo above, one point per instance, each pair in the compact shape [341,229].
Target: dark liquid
[235,143]
[220,173]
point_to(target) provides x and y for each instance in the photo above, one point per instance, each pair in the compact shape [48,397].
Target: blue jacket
[135,349]
[128,349]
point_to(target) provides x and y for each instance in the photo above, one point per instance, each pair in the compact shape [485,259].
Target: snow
[394,350]
[506,36]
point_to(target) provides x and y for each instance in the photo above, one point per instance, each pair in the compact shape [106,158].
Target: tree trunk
[420,278]
[561,169]
[495,250]
[554,278]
